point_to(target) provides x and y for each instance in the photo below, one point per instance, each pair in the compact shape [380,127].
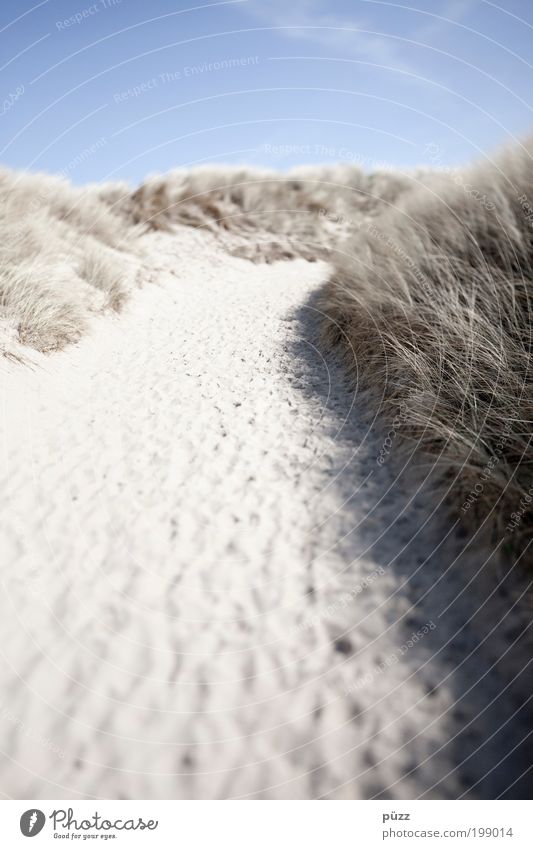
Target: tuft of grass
[430,308]
[107,270]
[64,254]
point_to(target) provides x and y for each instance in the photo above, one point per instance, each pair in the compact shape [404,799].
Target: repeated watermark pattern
[518,515]
[376,233]
[42,740]
[323,151]
[11,99]
[392,659]
[488,469]
[527,208]
[341,603]
[434,153]
[398,420]
[84,14]
[373,230]
[83,156]
[188,71]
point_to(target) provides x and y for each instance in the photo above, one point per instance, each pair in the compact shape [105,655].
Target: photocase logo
[32,822]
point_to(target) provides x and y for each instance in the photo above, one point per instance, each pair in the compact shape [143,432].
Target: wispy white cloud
[441,19]
[353,37]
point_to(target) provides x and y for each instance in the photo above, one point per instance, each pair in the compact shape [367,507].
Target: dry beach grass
[64,255]
[431,308]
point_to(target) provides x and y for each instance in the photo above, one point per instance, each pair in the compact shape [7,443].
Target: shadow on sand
[480,650]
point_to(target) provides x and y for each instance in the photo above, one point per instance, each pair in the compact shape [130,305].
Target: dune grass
[430,307]
[64,256]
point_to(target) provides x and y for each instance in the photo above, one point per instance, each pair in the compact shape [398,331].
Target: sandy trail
[203,596]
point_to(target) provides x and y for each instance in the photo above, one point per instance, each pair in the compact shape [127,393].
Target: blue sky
[116,89]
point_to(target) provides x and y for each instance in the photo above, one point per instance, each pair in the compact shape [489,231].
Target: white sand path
[191,608]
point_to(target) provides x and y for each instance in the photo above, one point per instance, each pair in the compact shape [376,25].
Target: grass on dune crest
[64,256]
[69,253]
[268,215]
[430,307]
